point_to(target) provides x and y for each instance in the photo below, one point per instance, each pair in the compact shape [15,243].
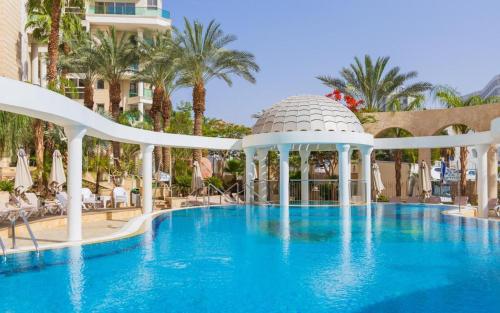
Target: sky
[448,42]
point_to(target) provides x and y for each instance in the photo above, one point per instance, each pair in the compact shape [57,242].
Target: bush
[216,181]
[382,198]
[7,185]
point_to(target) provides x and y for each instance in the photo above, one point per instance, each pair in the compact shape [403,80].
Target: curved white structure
[318,123]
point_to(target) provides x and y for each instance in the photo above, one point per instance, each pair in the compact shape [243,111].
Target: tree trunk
[463,166]
[53,45]
[199,110]
[156,108]
[88,95]
[398,154]
[115,97]
[166,112]
[38,129]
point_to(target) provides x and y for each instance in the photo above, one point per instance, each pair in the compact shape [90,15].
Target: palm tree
[204,55]
[160,71]
[80,59]
[113,57]
[452,99]
[374,85]
[45,18]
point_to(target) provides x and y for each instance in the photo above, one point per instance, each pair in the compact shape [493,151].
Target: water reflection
[285,229]
[76,282]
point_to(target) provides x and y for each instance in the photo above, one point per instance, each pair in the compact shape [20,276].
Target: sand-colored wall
[10,39]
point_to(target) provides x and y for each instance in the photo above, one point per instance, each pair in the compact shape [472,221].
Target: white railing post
[284,175]
[304,176]
[75,136]
[366,152]
[147,178]
[344,173]
[482,180]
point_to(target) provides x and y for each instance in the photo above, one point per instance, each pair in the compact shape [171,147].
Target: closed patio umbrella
[377,179]
[197,180]
[57,177]
[23,180]
[425,180]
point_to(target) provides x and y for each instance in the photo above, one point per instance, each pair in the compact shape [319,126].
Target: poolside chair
[119,196]
[493,205]
[62,202]
[89,200]
[462,200]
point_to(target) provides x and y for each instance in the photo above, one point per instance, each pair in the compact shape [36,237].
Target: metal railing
[320,191]
[121,8]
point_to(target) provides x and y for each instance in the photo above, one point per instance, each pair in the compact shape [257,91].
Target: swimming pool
[391,258]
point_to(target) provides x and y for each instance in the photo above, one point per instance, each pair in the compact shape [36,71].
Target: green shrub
[382,198]
[216,181]
[7,185]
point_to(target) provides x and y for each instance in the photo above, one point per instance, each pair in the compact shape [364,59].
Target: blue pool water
[391,258]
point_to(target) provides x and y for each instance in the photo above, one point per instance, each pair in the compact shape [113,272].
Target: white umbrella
[23,180]
[57,177]
[425,180]
[377,179]
[197,180]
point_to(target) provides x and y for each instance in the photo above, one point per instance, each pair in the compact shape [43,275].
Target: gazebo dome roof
[307,113]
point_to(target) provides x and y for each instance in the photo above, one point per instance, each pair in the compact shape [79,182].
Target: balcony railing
[118,8]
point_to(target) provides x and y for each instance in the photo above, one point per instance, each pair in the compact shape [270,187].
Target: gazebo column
[492,172]
[147,178]
[304,176]
[482,180]
[284,175]
[262,159]
[249,174]
[366,152]
[75,136]
[344,173]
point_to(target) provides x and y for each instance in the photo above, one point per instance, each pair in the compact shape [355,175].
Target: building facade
[23,59]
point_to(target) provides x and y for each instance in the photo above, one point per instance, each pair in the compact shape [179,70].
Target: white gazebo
[304,124]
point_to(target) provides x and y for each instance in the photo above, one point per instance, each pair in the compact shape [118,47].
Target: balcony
[126,15]
[116,8]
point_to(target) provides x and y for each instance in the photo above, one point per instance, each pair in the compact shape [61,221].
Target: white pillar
[249,174]
[284,175]
[147,178]
[344,174]
[482,180]
[366,152]
[262,159]
[304,176]
[75,135]
[43,70]
[34,65]
[492,172]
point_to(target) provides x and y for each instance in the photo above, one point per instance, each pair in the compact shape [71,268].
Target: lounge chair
[462,200]
[493,205]
[62,202]
[89,200]
[119,196]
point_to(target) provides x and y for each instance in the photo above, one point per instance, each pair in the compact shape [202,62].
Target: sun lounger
[89,200]
[62,202]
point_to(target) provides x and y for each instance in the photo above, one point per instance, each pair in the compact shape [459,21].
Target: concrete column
[344,174]
[284,175]
[482,180]
[147,178]
[492,172]
[35,79]
[304,176]
[249,174]
[75,135]
[43,70]
[366,166]
[262,159]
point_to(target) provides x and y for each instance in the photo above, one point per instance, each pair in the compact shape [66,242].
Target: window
[100,107]
[100,84]
[75,88]
[114,8]
[133,92]
[152,4]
